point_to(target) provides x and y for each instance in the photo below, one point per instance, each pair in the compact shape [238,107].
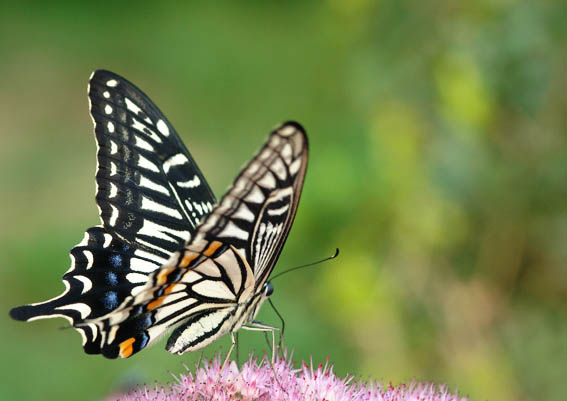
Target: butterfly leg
[258,326]
[282,328]
[237,350]
[233,340]
[200,360]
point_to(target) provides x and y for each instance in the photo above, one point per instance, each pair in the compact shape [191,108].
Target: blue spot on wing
[146,322]
[111,278]
[116,260]
[143,340]
[110,300]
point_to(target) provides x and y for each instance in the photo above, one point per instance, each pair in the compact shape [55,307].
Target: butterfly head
[268,289]
[254,305]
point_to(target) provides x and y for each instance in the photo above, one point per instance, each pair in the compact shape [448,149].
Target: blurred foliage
[438,166]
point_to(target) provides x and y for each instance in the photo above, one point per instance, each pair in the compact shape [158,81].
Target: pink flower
[259,380]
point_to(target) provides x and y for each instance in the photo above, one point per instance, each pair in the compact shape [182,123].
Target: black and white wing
[212,286]
[151,196]
[256,214]
[150,191]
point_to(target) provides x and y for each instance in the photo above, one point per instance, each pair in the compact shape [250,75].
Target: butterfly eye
[268,289]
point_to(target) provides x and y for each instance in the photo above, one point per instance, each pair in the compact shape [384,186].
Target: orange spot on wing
[162,275]
[155,303]
[126,348]
[188,258]
[169,288]
[212,248]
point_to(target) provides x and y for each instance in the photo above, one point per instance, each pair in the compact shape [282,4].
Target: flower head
[262,381]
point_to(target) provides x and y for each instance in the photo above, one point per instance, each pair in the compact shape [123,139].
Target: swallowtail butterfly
[167,257]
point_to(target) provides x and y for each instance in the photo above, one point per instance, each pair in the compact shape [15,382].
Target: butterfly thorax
[247,311]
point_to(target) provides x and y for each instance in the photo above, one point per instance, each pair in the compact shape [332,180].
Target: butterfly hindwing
[151,196]
[199,299]
[212,286]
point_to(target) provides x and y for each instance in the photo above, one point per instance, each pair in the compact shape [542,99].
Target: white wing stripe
[113,147]
[294,167]
[136,278]
[232,231]
[147,183]
[268,181]
[146,255]
[113,190]
[87,283]
[142,265]
[287,153]
[162,127]
[146,164]
[279,211]
[90,258]
[213,289]
[197,330]
[191,276]
[152,229]
[176,160]
[113,216]
[148,204]
[287,131]
[130,105]
[143,144]
[138,126]
[278,167]
[192,183]
[107,240]
[244,213]
[255,195]
[164,312]
[80,307]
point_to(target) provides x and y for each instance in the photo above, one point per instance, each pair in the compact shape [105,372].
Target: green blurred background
[438,167]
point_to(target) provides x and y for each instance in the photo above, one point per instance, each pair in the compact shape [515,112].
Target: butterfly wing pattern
[164,259]
[218,281]
[151,196]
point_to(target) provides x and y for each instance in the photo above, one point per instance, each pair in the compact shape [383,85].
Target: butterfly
[167,257]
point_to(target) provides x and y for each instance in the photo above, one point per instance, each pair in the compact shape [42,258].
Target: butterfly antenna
[307,265]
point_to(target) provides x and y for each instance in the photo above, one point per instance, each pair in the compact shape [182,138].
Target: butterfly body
[168,257]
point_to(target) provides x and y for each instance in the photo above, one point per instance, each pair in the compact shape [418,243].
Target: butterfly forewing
[256,214]
[213,286]
[149,189]
[151,196]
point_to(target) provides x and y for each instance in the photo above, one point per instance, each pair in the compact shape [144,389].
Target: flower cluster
[263,381]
